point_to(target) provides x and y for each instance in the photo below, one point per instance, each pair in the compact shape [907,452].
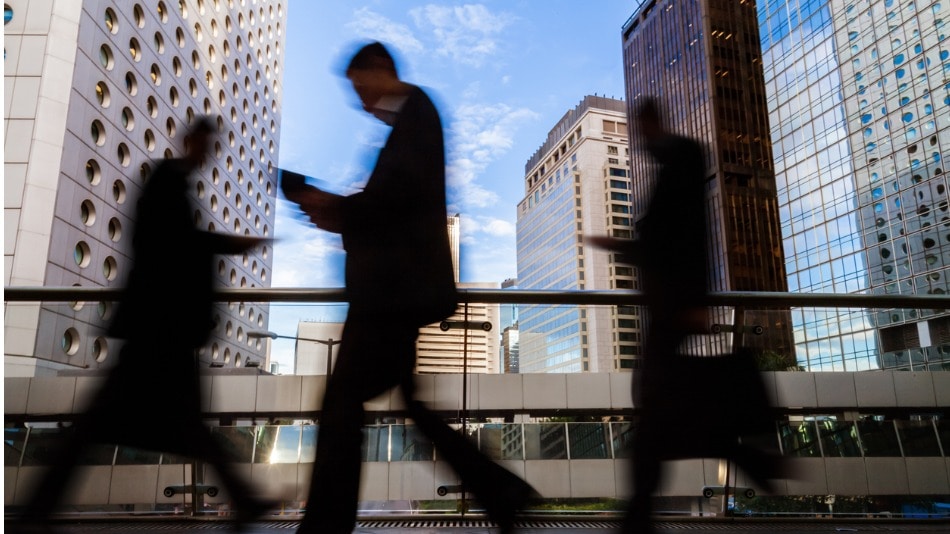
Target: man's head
[198,140]
[372,72]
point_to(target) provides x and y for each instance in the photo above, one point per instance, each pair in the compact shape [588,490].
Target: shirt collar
[388,108]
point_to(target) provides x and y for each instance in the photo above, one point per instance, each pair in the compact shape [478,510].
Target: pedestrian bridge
[564,433]
[872,433]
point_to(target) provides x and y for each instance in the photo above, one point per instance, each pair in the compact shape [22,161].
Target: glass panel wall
[879,438]
[800,439]
[918,438]
[839,438]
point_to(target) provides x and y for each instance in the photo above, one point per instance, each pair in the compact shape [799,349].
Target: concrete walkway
[539,526]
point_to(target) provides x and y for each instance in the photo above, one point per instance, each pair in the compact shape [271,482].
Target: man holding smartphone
[399,277]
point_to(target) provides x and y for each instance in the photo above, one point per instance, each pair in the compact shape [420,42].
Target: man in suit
[672,254]
[399,277]
[151,398]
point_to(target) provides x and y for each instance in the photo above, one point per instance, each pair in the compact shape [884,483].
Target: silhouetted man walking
[399,277]
[151,399]
[672,254]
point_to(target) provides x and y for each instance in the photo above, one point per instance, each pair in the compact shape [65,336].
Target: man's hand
[323,208]
[606,242]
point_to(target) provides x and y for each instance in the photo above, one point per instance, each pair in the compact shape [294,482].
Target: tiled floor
[477,526]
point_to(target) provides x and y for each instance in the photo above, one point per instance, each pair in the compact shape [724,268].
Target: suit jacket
[169,292]
[398,261]
[672,249]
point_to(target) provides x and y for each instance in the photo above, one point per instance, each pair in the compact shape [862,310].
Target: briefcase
[703,406]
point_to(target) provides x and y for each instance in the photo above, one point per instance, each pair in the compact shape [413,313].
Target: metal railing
[514,296]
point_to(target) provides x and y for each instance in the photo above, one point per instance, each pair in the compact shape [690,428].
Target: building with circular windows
[140,73]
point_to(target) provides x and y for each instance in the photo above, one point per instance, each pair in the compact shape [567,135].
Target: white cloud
[479,134]
[371,25]
[498,227]
[303,255]
[489,260]
[475,226]
[467,34]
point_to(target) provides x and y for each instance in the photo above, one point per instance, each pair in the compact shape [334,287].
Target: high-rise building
[700,59]
[577,184]
[95,93]
[508,323]
[470,346]
[457,349]
[510,350]
[455,244]
[858,102]
[509,312]
[316,347]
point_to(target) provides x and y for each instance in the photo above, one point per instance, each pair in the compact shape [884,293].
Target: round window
[98,132]
[87,213]
[70,341]
[100,349]
[82,254]
[110,269]
[102,94]
[93,172]
[118,191]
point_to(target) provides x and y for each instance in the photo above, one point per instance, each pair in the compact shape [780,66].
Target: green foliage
[581,505]
[769,360]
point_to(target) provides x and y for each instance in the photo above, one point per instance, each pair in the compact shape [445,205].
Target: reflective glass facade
[549,337]
[817,196]
[577,183]
[290,444]
[894,61]
[701,60]
[859,118]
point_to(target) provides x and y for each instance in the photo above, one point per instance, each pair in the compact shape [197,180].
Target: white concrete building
[475,348]
[451,351]
[94,92]
[316,347]
[577,184]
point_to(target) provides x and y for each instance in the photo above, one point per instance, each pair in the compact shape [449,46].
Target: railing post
[464,389]
[610,440]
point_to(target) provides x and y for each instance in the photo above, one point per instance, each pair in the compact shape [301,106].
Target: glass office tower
[858,110]
[701,60]
[577,184]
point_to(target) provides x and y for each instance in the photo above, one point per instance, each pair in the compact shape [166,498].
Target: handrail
[513,296]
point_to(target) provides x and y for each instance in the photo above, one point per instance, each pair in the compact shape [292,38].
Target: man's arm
[630,250]
[231,243]
[322,207]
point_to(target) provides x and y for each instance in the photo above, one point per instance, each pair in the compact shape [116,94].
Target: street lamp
[328,342]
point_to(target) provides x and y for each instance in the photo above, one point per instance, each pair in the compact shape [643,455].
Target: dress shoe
[507,498]
[250,511]
[28,526]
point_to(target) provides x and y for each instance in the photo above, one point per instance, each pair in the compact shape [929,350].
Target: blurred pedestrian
[399,277]
[672,253]
[151,399]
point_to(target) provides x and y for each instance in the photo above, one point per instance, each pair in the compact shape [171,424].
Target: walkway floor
[543,526]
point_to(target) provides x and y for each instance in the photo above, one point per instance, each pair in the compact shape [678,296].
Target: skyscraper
[510,349]
[858,102]
[577,184]
[508,324]
[701,60]
[316,347]
[457,349]
[96,91]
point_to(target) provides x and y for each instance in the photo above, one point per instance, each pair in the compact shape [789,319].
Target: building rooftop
[568,121]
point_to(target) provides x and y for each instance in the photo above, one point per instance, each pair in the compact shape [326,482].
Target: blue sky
[502,73]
